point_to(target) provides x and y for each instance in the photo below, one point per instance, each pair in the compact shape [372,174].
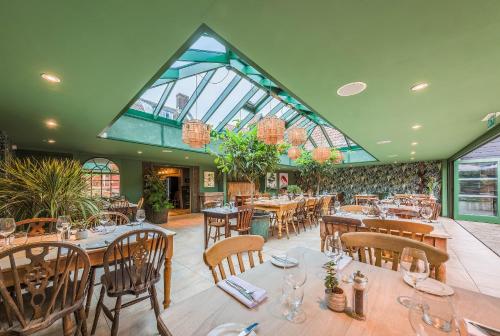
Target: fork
[246,293]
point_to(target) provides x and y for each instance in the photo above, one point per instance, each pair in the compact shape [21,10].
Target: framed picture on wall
[271,181]
[283,180]
[208,179]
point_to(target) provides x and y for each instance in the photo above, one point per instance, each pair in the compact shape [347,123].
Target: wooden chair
[49,287]
[300,215]
[287,218]
[38,226]
[318,210]
[311,208]
[243,220]
[140,203]
[357,209]
[210,204]
[119,219]
[369,247]
[332,224]
[132,266]
[412,230]
[226,249]
[121,206]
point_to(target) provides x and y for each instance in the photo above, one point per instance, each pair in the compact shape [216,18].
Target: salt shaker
[359,298]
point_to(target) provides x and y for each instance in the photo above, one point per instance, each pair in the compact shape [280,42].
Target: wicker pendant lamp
[297,136]
[294,153]
[271,129]
[321,154]
[195,133]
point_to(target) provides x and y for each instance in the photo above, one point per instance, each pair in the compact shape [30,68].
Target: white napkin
[258,294]
[473,330]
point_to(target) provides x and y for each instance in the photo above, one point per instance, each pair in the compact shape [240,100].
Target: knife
[248,330]
[241,291]
[485,329]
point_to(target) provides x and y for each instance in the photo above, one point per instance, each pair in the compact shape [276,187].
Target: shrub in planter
[334,295]
[157,204]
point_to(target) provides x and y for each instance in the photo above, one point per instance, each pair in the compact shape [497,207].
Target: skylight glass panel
[148,101]
[309,146]
[208,43]
[256,97]
[237,119]
[212,91]
[319,138]
[282,111]
[289,116]
[180,64]
[337,138]
[230,102]
[297,122]
[269,106]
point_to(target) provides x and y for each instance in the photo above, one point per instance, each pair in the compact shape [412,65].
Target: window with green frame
[103,177]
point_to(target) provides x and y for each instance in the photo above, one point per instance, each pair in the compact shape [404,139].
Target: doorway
[177,188]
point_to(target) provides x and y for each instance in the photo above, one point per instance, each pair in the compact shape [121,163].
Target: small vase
[81,234]
[335,301]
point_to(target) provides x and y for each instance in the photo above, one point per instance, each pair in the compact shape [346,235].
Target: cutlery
[248,329]
[241,291]
[241,287]
[485,329]
[283,260]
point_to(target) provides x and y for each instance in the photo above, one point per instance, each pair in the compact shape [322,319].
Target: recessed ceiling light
[186,157]
[166,151]
[419,86]
[51,123]
[395,161]
[14,147]
[416,127]
[51,141]
[351,89]
[413,153]
[50,78]
[412,158]
[392,155]
[489,115]
[383,142]
[139,152]
[414,143]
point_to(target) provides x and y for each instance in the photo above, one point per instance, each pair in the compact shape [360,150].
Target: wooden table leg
[205,226]
[227,232]
[167,272]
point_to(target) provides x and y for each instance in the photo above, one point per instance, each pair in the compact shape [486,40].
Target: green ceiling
[106,51]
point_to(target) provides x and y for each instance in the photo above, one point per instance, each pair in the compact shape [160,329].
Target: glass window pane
[478,188]
[337,138]
[208,43]
[478,206]
[257,96]
[319,138]
[148,101]
[282,111]
[309,145]
[234,97]
[237,119]
[477,170]
[179,96]
[269,106]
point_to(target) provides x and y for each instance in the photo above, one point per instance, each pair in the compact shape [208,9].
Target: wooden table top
[201,313]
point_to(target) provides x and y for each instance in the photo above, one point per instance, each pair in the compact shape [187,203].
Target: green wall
[218,179]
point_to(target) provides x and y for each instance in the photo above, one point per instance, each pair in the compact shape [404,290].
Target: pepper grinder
[359,298]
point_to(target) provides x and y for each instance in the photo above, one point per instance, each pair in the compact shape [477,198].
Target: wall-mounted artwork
[283,180]
[271,181]
[208,179]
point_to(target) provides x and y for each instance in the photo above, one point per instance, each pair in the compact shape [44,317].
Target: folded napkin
[473,330]
[258,294]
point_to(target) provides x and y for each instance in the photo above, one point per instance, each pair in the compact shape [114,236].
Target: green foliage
[154,191]
[312,172]
[293,189]
[47,188]
[331,280]
[242,155]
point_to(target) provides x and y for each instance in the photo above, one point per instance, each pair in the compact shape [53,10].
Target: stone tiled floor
[472,265]
[487,233]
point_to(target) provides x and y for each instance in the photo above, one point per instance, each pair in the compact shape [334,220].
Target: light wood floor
[472,266]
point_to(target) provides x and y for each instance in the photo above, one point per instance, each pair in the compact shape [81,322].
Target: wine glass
[7,227]
[415,268]
[140,216]
[336,205]
[397,201]
[293,286]
[432,315]
[333,248]
[62,225]
[426,212]
[365,209]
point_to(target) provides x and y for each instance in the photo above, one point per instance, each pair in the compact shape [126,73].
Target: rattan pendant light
[195,133]
[294,153]
[321,154]
[297,136]
[271,129]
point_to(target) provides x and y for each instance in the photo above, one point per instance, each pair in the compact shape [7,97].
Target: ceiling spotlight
[419,86]
[412,158]
[383,142]
[413,153]
[50,123]
[50,78]
[51,141]
[416,127]
[491,115]
[414,143]
[139,152]
[351,89]
[186,157]
[166,151]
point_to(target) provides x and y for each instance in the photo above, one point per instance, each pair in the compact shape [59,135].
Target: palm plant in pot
[334,295]
[157,203]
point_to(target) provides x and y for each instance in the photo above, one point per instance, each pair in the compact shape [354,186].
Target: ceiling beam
[293,120]
[236,109]
[323,130]
[204,56]
[163,99]
[187,71]
[287,114]
[275,109]
[229,88]
[196,94]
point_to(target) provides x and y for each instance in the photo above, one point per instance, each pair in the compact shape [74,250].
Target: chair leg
[98,309]
[154,300]
[81,318]
[116,318]
[90,291]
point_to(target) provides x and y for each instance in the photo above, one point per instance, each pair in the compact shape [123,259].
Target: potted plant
[157,203]
[334,295]
[242,155]
[81,227]
[294,190]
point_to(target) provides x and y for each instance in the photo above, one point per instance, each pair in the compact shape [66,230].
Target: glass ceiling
[212,83]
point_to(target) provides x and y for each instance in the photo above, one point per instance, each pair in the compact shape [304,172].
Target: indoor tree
[242,155]
[311,172]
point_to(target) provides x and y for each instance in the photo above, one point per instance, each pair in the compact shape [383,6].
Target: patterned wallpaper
[386,179]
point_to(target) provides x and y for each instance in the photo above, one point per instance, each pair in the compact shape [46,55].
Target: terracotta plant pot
[335,300]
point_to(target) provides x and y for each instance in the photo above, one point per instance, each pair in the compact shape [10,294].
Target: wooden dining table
[201,313]
[362,199]
[224,213]
[96,244]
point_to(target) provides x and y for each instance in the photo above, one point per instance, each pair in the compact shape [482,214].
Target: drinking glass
[333,248]
[415,267]
[432,315]
[293,286]
[365,209]
[397,202]
[62,225]
[337,206]
[7,227]
[110,226]
[140,216]
[426,212]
